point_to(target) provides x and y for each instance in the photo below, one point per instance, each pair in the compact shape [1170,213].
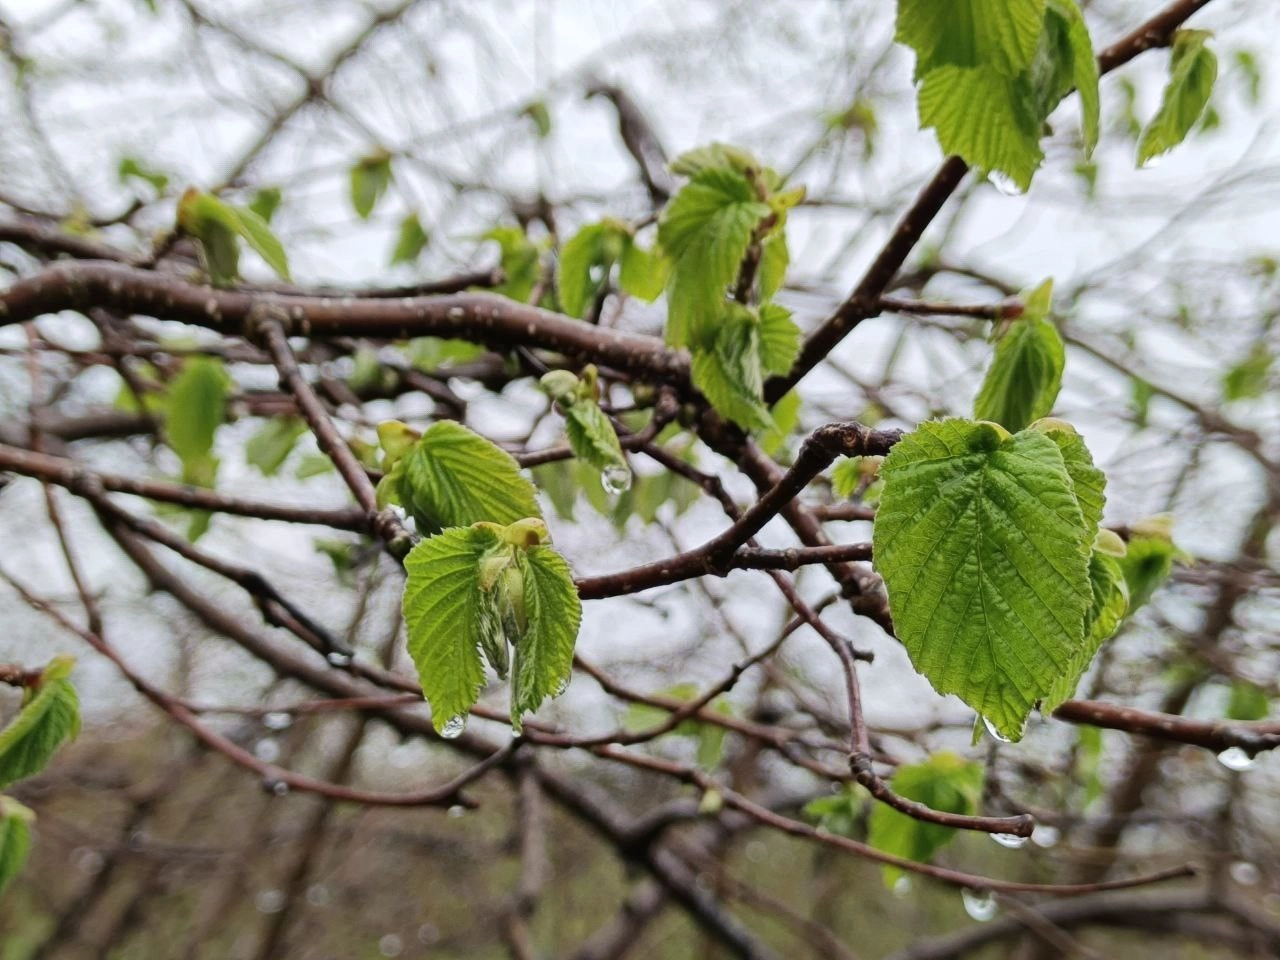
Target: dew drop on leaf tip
[453,727]
[615,478]
[995,731]
[1004,184]
[979,904]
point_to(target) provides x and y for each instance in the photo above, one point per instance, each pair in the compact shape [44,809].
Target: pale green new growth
[985,553]
[479,589]
[452,477]
[15,838]
[991,71]
[50,717]
[706,230]
[1023,380]
[1193,68]
[444,618]
[1110,602]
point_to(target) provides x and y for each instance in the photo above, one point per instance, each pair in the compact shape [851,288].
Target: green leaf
[774,260]
[453,477]
[593,438]
[1025,376]
[46,720]
[785,415]
[15,838]
[585,262]
[444,618]
[779,340]
[715,156]
[1193,68]
[729,373]
[430,354]
[544,656]
[541,117]
[271,445]
[1087,481]
[370,177]
[943,782]
[851,473]
[1247,380]
[266,202]
[1146,564]
[1248,702]
[839,813]
[196,405]
[519,262]
[643,273]
[131,168]
[984,117]
[410,241]
[985,553]
[1109,604]
[1066,41]
[706,230]
[999,34]
[258,235]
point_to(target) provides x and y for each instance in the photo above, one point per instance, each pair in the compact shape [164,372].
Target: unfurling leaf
[706,229]
[195,406]
[218,227]
[1025,376]
[585,262]
[50,715]
[591,436]
[984,548]
[478,589]
[944,782]
[1193,68]
[452,477]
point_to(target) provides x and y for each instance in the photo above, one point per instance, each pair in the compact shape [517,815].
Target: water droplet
[1004,184]
[1153,162]
[995,731]
[339,659]
[270,901]
[561,686]
[1010,840]
[1045,836]
[277,720]
[1234,758]
[1245,873]
[453,727]
[267,750]
[615,478]
[275,787]
[428,933]
[902,886]
[979,904]
[390,945]
[318,895]
[457,810]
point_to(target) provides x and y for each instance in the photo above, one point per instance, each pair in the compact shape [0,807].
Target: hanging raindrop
[1045,836]
[615,478]
[1010,840]
[979,904]
[995,731]
[1234,758]
[457,810]
[277,720]
[1004,184]
[339,659]
[902,886]
[453,727]
[267,750]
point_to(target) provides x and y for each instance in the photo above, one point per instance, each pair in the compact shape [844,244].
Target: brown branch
[1216,735]
[483,317]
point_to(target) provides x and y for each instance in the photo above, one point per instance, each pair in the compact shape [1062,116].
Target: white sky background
[112,80]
